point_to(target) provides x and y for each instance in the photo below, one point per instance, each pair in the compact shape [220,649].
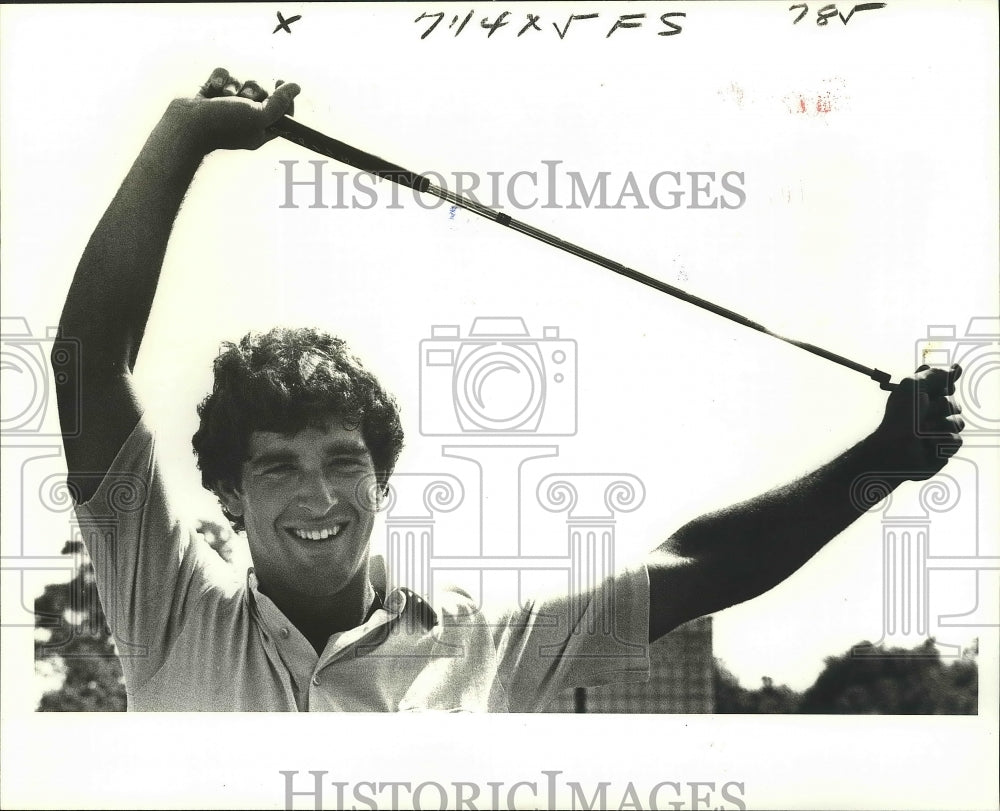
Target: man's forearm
[112,292]
[735,554]
[750,547]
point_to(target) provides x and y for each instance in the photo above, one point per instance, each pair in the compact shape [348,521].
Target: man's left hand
[922,425]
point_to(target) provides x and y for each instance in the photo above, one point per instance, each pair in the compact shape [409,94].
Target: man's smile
[306,533]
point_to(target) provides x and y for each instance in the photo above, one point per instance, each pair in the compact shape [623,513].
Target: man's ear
[230,498]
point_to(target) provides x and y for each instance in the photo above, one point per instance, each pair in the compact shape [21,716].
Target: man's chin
[312,586]
[314,579]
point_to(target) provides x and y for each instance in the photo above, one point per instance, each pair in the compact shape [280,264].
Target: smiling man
[298,441]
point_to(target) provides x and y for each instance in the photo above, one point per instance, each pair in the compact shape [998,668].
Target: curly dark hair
[286,380]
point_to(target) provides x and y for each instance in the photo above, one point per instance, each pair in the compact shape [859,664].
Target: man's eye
[278,470]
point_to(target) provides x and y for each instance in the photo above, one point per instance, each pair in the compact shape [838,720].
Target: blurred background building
[680,679]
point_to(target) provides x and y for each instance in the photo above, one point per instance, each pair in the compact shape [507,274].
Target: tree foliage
[75,641]
[732,697]
[867,679]
[870,679]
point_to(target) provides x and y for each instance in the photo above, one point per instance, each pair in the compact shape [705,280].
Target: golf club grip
[302,135]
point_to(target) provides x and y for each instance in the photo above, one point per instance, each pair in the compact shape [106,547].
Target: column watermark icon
[940,562]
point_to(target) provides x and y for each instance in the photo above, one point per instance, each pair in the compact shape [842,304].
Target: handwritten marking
[830,10]
[283,23]
[670,23]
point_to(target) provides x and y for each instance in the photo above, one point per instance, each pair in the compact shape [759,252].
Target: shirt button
[284,633]
[315,681]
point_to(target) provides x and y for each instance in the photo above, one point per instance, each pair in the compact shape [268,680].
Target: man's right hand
[230,114]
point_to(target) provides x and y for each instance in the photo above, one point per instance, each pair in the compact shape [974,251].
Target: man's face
[306,501]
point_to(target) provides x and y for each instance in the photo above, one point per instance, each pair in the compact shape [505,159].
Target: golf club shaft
[316,141]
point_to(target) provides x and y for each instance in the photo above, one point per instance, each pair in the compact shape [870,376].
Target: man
[298,441]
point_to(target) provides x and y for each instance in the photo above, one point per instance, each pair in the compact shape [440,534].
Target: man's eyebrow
[336,448]
[346,447]
[271,457]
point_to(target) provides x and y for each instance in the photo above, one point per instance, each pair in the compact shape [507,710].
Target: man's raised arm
[735,554]
[112,291]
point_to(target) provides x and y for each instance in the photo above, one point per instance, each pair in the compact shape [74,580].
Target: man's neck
[319,617]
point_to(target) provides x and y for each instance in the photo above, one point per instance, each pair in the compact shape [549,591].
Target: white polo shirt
[194,635]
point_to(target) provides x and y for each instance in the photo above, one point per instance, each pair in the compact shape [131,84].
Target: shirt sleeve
[567,639]
[150,569]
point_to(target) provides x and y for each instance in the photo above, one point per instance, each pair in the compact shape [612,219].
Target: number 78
[826,12]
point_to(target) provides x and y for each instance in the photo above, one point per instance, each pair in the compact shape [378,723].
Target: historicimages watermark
[317,789]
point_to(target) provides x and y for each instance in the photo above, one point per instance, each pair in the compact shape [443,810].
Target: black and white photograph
[451,371]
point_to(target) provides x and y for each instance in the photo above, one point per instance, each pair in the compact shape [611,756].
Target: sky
[866,154]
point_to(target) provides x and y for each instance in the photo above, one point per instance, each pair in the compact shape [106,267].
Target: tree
[75,641]
[867,679]
[870,679]
[732,697]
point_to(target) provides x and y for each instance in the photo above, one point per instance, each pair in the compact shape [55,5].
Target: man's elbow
[685,588]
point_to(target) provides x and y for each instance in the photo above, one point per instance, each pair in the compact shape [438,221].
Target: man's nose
[317,494]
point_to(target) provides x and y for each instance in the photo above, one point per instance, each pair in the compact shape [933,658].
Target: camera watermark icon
[932,582]
[32,472]
[29,364]
[497,380]
[977,351]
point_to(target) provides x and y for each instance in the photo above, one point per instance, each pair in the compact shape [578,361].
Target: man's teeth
[316,534]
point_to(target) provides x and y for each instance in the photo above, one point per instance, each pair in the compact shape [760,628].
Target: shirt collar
[397,603]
